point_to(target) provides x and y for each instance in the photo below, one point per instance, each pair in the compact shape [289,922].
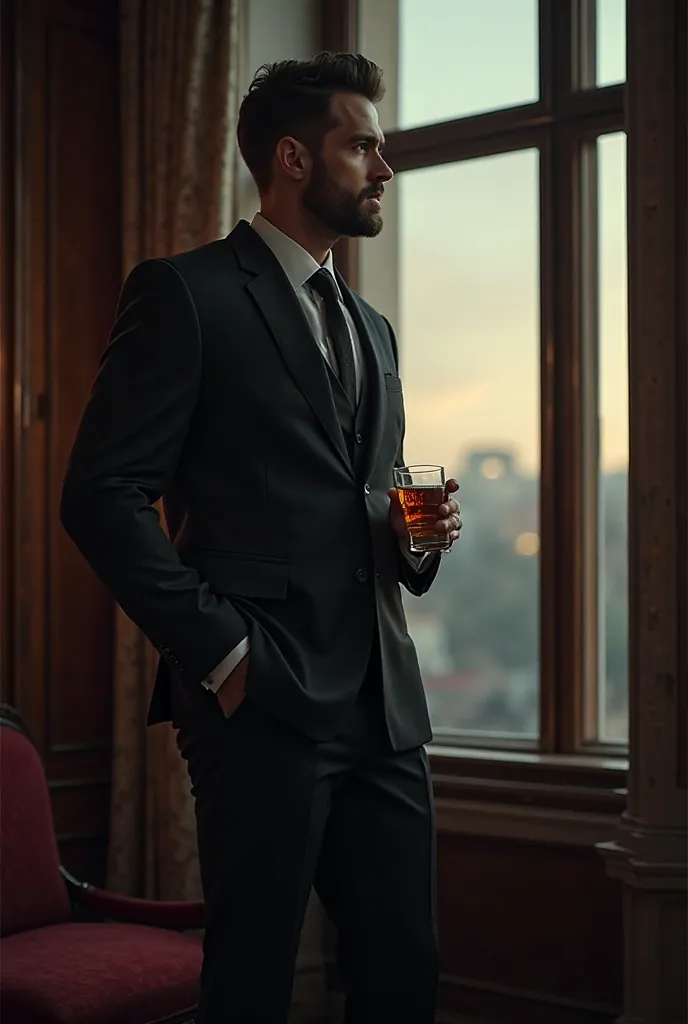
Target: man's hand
[233,690]
[449,525]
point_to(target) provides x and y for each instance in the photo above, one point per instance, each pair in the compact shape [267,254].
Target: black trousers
[278,813]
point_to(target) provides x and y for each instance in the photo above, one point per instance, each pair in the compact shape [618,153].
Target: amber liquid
[421,512]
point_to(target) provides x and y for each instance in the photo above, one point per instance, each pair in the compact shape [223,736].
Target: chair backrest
[32,891]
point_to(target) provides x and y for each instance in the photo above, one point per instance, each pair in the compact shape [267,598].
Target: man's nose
[383,172]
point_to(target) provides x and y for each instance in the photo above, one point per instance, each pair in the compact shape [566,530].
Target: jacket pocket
[242,575]
[392,382]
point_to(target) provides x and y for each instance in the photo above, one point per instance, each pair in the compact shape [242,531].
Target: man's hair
[292,97]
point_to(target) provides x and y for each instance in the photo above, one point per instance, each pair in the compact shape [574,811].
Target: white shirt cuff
[226,666]
[414,560]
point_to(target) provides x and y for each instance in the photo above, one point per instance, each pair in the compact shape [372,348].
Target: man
[247,384]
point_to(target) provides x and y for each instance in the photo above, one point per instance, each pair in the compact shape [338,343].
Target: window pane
[613,487]
[461,57]
[611,41]
[469,337]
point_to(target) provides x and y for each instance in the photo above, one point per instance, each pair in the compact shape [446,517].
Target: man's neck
[310,237]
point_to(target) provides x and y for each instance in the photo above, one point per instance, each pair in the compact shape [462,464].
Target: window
[469,297]
[484,57]
[607,398]
[610,52]
[503,266]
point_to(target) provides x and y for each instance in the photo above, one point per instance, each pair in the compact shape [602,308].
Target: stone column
[649,854]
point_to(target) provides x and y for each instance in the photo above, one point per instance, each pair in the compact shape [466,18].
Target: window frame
[570,113]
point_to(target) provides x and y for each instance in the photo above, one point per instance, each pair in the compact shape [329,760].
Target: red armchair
[135,967]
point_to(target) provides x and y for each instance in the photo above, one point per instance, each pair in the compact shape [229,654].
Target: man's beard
[339,210]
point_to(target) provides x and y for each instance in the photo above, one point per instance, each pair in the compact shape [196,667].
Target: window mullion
[548,451]
[574,275]
[568,434]
[584,44]
[546,18]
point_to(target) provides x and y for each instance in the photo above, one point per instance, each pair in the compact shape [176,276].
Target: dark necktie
[324,284]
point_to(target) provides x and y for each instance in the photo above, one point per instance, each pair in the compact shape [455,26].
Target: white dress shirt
[299,266]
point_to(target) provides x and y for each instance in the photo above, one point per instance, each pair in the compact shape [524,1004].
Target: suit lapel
[277,303]
[373,406]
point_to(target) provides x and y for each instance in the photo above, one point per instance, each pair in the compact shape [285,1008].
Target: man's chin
[369,227]
[355,227]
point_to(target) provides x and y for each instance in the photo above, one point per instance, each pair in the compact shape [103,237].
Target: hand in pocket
[233,689]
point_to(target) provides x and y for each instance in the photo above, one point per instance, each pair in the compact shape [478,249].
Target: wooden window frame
[570,113]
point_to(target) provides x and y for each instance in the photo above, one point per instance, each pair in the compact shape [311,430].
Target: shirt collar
[296,263]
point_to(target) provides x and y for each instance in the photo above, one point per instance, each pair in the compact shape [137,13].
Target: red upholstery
[54,970]
[98,974]
[32,892]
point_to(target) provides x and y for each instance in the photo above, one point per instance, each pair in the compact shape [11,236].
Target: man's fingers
[451,525]
[449,508]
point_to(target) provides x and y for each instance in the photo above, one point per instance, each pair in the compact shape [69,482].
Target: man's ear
[293,158]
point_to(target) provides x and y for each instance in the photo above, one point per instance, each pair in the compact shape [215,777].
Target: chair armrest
[156,913]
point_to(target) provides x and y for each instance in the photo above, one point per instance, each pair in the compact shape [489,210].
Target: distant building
[490,464]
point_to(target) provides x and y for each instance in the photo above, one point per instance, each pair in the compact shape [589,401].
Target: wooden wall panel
[528,932]
[67,275]
[83,270]
[8,432]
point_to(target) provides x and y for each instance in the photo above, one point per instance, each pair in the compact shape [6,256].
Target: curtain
[180,79]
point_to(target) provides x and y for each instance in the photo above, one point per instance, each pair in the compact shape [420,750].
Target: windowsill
[579,762]
[580,783]
[527,797]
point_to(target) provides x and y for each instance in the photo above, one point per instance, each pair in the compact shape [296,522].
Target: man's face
[348,177]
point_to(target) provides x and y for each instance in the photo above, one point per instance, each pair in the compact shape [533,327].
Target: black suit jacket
[213,394]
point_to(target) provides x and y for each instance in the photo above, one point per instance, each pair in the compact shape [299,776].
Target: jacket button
[362,575]
[359,438]
[367,488]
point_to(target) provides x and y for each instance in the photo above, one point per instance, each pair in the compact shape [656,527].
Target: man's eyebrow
[376,140]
